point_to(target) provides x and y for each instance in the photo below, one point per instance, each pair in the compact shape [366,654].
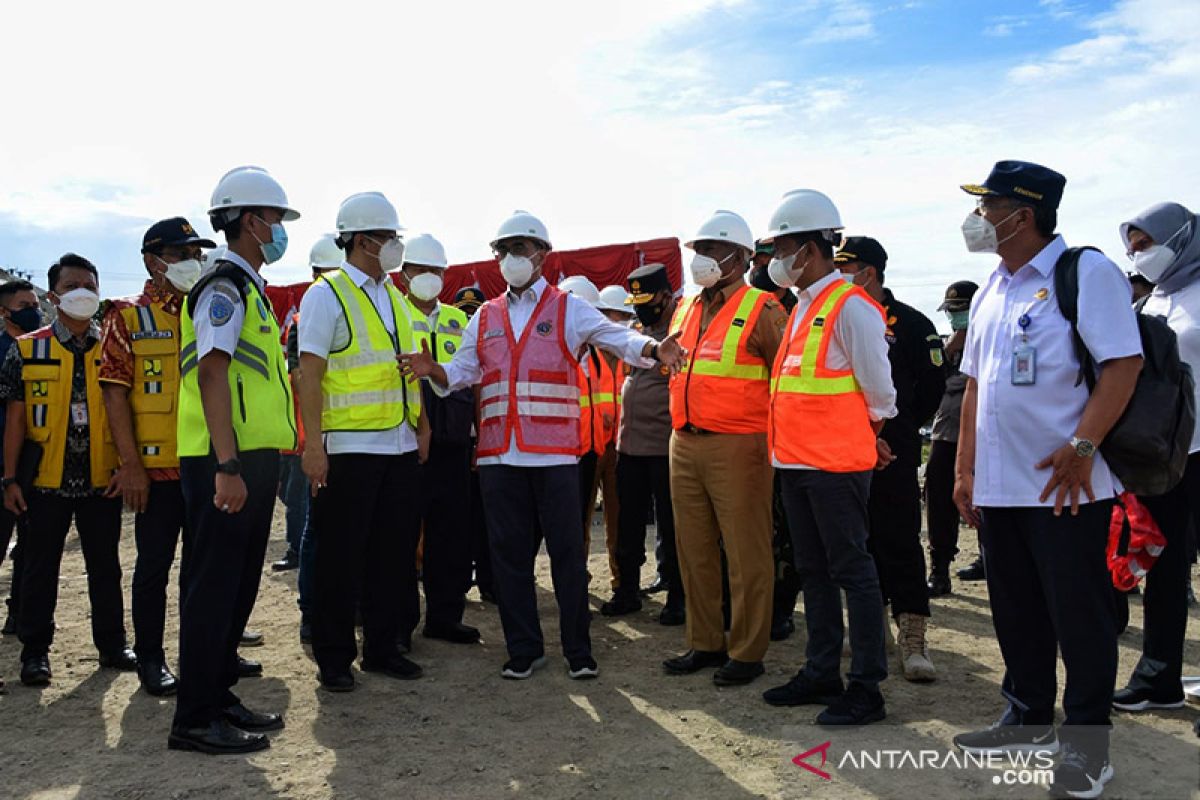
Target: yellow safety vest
[154,394]
[48,372]
[362,388]
[445,340]
[264,417]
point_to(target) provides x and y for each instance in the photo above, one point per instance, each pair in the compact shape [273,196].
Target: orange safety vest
[528,386]
[599,393]
[819,416]
[722,388]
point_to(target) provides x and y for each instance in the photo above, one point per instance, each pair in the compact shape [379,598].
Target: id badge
[1024,365]
[79,413]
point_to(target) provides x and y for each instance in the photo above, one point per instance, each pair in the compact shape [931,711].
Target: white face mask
[1155,260]
[426,286]
[80,304]
[391,253]
[780,271]
[183,275]
[980,235]
[707,271]
[517,270]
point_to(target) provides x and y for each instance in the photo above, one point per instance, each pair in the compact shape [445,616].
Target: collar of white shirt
[535,291]
[810,294]
[234,258]
[1043,262]
[360,278]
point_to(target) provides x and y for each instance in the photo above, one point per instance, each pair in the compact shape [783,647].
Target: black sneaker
[1080,774]
[1009,739]
[582,669]
[1130,699]
[518,669]
[858,706]
[802,690]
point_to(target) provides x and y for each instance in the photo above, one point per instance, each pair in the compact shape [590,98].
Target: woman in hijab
[1164,243]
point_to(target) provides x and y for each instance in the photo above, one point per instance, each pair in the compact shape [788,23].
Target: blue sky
[613,122]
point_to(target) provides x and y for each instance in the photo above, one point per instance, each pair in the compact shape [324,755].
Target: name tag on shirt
[1024,365]
[79,413]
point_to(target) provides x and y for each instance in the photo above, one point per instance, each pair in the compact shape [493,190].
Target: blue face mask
[959,319]
[273,250]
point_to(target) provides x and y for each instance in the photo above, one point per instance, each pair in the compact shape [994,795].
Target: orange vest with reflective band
[819,416]
[528,387]
[599,394]
[722,387]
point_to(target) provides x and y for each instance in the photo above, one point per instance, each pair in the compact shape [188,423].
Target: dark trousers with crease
[940,512]
[367,517]
[519,500]
[644,482]
[98,520]
[157,532]
[220,582]
[1050,590]
[9,525]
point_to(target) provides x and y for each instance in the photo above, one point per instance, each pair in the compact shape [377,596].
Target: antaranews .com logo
[1034,768]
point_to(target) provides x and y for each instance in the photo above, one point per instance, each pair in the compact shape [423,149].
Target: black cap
[959,293]
[864,249]
[645,282]
[470,296]
[1030,183]
[172,232]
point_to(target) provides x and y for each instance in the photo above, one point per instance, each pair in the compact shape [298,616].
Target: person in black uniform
[918,372]
[468,300]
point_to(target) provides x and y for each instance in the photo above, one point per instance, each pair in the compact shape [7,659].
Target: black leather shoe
[973,571]
[251,639]
[782,628]
[694,661]
[395,667]
[802,690]
[248,668]
[343,682]
[659,585]
[254,721]
[217,738]
[672,617]
[737,673]
[939,584]
[122,659]
[156,679]
[290,560]
[35,671]
[457,633]
[622,603]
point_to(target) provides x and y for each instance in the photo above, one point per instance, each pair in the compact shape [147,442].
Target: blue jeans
[293,491]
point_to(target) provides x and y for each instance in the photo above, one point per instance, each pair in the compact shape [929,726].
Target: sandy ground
[462,731]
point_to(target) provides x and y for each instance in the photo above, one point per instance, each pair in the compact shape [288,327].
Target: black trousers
[10,524]
[157,532]
[519,500]
[895,540]
[644,482]
[787,579]
[368,518]
[1164,600]
[1050,591]
[444,502]
[98,520]
[481,555]
[940,511]
[221,581]
[587,480]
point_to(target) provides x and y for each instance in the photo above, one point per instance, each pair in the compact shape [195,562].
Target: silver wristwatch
[1083,447]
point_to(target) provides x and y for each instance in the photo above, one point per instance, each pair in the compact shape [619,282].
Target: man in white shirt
[1027,454]
[522,348]
[364,423]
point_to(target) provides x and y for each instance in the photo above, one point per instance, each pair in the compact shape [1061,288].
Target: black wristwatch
[6,482]
[230,467]
[654,352]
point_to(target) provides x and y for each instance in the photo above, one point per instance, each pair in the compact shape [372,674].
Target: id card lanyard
[1024,361]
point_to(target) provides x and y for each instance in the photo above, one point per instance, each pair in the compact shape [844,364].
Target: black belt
[690,428]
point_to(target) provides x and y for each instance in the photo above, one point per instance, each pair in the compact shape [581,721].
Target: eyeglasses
[518,248]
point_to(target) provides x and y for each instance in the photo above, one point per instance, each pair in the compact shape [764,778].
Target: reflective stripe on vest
[154,394]
[818,416]
[445,338]
[48,374]
[362,389]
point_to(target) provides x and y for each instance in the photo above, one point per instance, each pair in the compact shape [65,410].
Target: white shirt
[323,329]
[583,325]
[220,311]
[1018,426]
[1182,312]
[858,344]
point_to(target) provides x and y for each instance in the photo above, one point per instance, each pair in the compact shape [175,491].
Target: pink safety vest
[527,385]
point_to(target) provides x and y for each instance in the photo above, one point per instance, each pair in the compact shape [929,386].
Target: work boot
[913,652]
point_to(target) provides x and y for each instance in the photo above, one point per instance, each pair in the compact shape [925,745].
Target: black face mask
[27,319]
[650,313]
[761,280]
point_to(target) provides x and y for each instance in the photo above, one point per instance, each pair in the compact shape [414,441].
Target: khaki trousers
[721,491]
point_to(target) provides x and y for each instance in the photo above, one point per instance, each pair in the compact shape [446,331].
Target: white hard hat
[325,254]
[579,285]
[612,298]
[249,187]
[724,226]
[367,211]
[426,251]
[803,210]
[522,223]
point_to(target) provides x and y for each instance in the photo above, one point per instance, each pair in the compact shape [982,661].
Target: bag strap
[1066,289]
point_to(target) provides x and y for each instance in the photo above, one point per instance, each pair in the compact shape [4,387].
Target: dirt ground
[463,732]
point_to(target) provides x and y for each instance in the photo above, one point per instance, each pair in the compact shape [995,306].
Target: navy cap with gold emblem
[645,282]
[958,295]
[864,249]
[1021,180]
[469,297]
[173,232]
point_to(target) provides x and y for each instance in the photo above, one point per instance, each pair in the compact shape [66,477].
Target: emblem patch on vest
[544,328]
[453,323]
[450,348]
[493,333]
[220,310]
[39,389]
[152,367]
[738,322]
